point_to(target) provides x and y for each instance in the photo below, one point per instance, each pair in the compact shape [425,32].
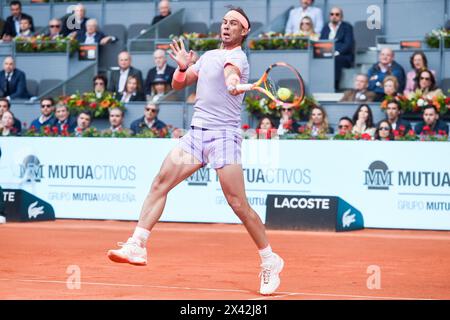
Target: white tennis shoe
[270,275]
[131,252]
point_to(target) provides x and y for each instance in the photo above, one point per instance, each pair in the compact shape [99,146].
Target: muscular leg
[232,182]
[177,166]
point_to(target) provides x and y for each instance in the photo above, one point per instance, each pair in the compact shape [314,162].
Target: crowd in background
[386,78]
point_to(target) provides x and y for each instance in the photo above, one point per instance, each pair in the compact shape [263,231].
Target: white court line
[204,229]
[278,294]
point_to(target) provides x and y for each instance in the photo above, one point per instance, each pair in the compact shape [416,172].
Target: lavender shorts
[217,147]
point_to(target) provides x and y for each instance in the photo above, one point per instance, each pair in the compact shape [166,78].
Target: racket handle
[244,87]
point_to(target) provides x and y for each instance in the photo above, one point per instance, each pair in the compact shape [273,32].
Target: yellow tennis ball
[284,93]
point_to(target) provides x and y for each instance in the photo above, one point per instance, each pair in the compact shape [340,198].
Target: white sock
[266,254]
[142,235]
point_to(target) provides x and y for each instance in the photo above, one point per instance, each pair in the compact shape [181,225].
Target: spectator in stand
[93,35]
[7,125]
[161,69]
[307,29]
[159,88]
[149,121]
[385,67]
[390,86]
[384,131]
[47,116]
[5,105]
[84,120]
[55,29]
[116,122]
[25,28]
[431,124]
[345,125]
[266,129]
[426,85]
[75,22]
[63,120]
[359,93]
[287,122]
[13,83]
[393,116]
[119,77]
[100,83]
[363,121]
[305,9]
[418,63]
[164,11]
[12,24]
[342,33]
[318,122]
[132,91]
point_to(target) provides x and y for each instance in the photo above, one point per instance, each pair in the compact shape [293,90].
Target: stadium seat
[48,84]
[215,27]
[364,38]
[32,87]
[108,54]
[135,29]
[256,26]
[198,27]
[346,81]
[445,86]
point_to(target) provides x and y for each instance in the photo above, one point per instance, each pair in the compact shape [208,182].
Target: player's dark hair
[16,3]
[241,11]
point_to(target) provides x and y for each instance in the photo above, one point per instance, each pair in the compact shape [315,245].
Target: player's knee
[159,184]
[238,205]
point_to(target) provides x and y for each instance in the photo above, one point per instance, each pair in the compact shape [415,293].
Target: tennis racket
[281,82]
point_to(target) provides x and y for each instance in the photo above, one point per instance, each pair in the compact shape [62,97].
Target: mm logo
[378,176]
[200,178]
[31,169]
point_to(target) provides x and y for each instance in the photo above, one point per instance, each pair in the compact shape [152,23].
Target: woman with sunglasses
[384,131]
[287,122]
[418,62]
[426,84]
[307,29]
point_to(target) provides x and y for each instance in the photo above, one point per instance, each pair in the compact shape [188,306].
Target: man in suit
[47,116]
[92,35]
[148,121]
[342,34]
[63,120]
[386,66]
[393,116]
[431,124]
[12,24]
[75,22]
[161,68]
[13,82]
[164,11]
[359,93]
[118,78]
[5,105]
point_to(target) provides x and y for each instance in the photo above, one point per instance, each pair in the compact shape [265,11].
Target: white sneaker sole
[115,256]
[277,281]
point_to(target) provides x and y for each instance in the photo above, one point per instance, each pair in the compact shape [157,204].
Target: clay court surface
[214,261]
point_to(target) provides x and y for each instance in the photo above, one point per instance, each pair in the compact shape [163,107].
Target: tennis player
[214,138]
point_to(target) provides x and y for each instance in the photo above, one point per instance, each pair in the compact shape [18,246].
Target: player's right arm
[184,75]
